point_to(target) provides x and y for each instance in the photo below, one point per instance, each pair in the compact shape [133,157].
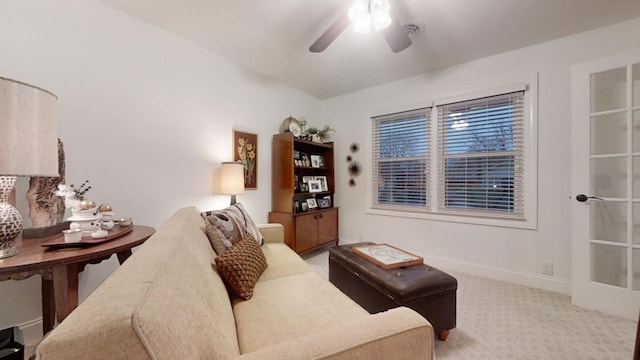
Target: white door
[605,185]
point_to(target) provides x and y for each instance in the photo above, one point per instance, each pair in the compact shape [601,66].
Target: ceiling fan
[367,15]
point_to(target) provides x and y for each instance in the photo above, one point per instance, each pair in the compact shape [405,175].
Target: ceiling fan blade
[331,34]
[395,35]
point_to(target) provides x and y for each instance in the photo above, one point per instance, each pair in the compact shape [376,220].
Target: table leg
[48,306]
[72,279]
[61,292]
[123,256]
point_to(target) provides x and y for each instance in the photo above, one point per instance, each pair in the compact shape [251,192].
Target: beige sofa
[168,302]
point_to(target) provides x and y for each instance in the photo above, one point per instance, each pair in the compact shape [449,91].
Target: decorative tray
[117,231]
[387,256]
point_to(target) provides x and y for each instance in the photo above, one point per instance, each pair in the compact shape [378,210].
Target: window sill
[472,219]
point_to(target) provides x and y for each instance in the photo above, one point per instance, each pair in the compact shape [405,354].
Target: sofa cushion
[241,266]
[289,307]
[282,261]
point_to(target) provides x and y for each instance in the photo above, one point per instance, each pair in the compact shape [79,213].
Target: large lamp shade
[232,179]
[28,147]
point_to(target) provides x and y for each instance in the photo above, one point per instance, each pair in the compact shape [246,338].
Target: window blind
[481,155]
[400,166]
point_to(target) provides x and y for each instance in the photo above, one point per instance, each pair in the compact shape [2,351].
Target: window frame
[530,220]
[376,161]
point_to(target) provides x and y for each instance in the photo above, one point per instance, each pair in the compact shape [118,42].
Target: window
[401,160]
[480,155]
[473,156]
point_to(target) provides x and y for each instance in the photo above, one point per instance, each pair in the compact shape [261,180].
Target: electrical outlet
[547,268]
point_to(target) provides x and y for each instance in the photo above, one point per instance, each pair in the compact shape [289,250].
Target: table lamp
[232,179]
[28,147]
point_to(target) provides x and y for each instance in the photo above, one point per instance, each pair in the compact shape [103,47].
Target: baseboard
[547,283]
[31,332]
[531,280]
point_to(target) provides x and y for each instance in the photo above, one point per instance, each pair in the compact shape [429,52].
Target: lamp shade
[28,131]
[232,178]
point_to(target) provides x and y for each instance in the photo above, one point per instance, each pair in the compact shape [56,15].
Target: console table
[59,268]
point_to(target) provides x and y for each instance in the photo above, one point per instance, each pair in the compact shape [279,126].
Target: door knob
[583,198]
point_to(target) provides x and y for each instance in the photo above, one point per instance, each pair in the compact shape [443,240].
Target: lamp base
[7,249]
[10,219]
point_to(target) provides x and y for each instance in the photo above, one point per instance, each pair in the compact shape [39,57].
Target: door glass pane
[636,131]
[636,269]
[636,85]
[608,221]
[609,264]
[609,134]
[609,177]
[636,224]
[608,90]
[636,177]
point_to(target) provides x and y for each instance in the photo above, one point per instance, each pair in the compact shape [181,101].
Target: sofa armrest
[272,233]
[397,334]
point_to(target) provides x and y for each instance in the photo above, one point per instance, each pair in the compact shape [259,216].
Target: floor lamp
[28,147]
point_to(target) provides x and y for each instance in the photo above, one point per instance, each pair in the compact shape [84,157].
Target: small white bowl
[72,235]
[125,222]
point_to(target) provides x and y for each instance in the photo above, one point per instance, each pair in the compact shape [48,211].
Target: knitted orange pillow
[241,266]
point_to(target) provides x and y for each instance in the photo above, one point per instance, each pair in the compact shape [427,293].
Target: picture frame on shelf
[296,186]
[311,203]
[315,186]
[296,206]
[304,187]
[317,161]
[299,158]
[304,206]
[323,182]
[324,203]
[305,160]
[328,198]
[305,179]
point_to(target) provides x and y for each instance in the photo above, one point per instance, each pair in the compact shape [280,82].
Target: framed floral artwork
[245,150]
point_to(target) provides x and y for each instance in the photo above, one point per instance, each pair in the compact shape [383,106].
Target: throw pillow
[226,225]
[241,266]
[251,226]
[218,241]
[233,222]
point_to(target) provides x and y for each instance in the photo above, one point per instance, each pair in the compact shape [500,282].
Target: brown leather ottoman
[425,289]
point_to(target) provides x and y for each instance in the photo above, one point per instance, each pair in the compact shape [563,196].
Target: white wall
[502,253]
[145,116]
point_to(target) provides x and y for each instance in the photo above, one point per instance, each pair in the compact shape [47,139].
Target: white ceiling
[272,37]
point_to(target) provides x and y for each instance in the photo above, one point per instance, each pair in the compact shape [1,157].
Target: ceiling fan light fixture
[363,26]
[380,19]
[368,15]
[380,14]
[360,17]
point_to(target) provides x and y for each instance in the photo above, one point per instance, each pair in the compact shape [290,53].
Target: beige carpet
[498,320]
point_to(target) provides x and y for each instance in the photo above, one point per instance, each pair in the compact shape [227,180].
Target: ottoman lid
[404,284]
